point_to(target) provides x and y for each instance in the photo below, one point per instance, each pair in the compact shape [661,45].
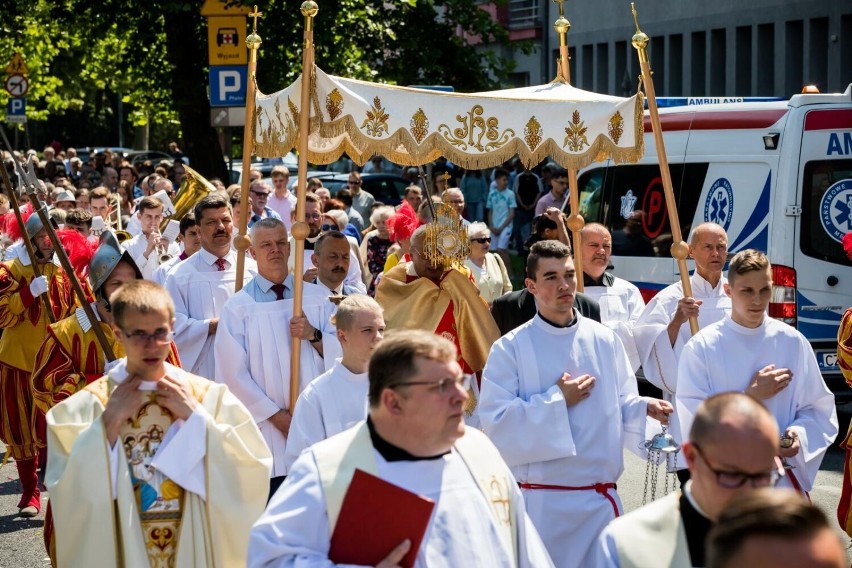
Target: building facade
[719,48]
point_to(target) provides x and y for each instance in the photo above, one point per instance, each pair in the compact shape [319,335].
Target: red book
[375,517]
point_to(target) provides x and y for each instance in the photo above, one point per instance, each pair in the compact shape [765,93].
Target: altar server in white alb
[337,399]
[663,328]
[621,302]
[751,352]
[201,284]
[414,438]
[560,402]
[255,333]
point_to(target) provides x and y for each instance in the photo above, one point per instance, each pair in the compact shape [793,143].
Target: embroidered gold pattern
[334,104]
[500,501]
[419,125]
[474,128]
[616,127]
[376,122]
[576,131]
[533,133]
[294,111]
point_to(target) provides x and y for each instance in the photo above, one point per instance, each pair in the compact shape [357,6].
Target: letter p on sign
[228,85]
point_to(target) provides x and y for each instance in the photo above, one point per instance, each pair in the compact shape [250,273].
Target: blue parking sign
[228,85]
[16,107]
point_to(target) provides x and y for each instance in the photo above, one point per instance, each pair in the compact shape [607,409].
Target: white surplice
[163,270]
[294,530]
[545,442]
[658,356]
[136,248]
[724,356]
[621,305]
[253,356]
[199,290]
[333,402]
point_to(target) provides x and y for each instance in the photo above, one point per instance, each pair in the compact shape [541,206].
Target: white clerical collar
[210,259]
[344,373]
[703,287]
[118,374]
[687,490]
[729,321]
[549,327]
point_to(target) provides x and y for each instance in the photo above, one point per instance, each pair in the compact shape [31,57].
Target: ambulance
[776,174]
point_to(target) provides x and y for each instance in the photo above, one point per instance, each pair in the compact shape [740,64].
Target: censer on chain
[661,448]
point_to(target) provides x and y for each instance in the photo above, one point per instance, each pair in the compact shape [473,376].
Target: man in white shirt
[149,246]
[337,400]
[562,418]
[621,302]
[190,238]
[750,352]
[414,438]
[663,328]
[201,284]
[253,342]
[259,208]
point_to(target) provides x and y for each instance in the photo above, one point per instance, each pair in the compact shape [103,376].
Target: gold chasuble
[148,520]
[454,309]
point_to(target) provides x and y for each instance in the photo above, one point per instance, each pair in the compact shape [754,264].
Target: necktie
[220,264]
[279,291]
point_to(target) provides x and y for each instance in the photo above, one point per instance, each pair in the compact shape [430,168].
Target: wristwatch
[317,336]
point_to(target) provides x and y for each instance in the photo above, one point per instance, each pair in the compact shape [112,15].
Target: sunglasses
[354,182]
[481,240]
[327,227]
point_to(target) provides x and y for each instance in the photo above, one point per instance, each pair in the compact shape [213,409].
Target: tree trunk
[186,43]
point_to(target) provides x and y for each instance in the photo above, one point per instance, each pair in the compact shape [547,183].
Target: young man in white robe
[753,353]
[337,400]
[663,328]
[730,452]
[621,302]
[560,402]
[253,342]
[202,284]
[415,438]
[147,247]
[151,465]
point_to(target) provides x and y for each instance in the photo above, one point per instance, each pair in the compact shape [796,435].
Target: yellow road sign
[220,8]
[17,66]
[226,40]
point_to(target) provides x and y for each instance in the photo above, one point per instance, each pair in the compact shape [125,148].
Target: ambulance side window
[826,209]
[631,202]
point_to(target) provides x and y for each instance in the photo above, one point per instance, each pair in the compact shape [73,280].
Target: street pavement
[21,544]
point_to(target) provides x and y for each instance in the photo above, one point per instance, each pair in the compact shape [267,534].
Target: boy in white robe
[202,284]
[560,402]
[150,465]
[767,359]
[253,342]
[621,302]
[337,400]
[415,438]
[663,328]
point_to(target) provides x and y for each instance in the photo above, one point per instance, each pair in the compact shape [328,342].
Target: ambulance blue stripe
[758,216]
[827,316]
[760,241]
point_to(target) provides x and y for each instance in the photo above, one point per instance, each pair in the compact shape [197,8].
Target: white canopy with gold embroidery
[415,126]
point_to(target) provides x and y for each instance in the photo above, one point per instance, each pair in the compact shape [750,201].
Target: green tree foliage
[84,57]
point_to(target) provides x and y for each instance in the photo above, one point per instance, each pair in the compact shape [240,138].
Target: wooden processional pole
[242,241]
[575,221]
[300,229]
[679,248]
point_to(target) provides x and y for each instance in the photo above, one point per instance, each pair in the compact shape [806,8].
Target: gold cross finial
[255,15]
[446,177]
[561,7]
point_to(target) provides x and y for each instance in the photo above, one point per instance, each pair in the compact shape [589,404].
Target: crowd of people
[442,418]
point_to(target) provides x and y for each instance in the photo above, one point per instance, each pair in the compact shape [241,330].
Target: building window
[523,14]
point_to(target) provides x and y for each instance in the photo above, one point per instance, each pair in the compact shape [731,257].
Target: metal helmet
[106,258]
[33,225]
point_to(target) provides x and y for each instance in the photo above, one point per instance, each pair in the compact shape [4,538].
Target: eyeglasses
[736,479]
[140,338]
[350,182]
[327,227]
[444,386]
[481,240]
[261,194]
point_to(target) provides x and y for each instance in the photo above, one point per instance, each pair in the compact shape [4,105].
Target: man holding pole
[24,320]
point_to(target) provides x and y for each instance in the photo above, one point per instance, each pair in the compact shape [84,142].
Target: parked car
[387,188]
[138,156]
[265,165]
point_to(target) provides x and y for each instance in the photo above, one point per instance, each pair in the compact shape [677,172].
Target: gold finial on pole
[241,241]
[679,249]
[562,25]
[300,230]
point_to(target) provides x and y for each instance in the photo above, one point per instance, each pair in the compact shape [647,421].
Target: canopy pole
[679,249]
[576,224]
[562,25]
[300,229]
[242,241]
